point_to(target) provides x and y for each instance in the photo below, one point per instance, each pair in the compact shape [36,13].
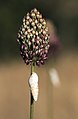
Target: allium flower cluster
[33,38]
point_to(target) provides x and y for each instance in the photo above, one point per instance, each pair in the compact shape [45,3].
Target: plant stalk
[31,97]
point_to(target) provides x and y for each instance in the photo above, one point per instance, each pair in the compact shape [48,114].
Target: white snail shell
[33,83]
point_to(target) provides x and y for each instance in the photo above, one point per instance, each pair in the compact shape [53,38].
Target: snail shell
[33,83]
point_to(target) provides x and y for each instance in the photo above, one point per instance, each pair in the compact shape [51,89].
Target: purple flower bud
[38,63]
[26,61]
[42,62]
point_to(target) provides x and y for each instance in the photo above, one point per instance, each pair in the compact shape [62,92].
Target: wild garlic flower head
[33,38]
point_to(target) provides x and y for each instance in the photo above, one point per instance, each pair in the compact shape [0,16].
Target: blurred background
[55,101]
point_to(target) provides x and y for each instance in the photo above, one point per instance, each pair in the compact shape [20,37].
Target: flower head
[33,38]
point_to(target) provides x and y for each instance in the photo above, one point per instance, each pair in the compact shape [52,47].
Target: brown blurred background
[54,102]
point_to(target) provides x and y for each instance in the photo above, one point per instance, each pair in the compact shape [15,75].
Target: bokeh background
[54,102]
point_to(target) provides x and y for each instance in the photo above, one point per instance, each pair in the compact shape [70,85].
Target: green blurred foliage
[64,14]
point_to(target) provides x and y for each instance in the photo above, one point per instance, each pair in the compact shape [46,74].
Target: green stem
[32,67]
[31,97]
